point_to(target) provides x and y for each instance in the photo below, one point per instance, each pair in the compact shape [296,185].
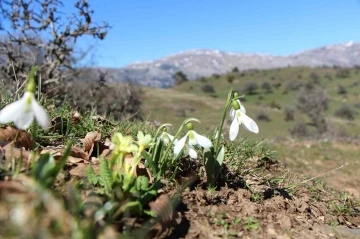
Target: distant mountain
[197,63]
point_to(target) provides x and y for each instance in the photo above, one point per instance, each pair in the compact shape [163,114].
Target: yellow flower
[121,144]
[143,140]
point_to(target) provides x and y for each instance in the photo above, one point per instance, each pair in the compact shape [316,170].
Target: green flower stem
[227,106]
[169,146]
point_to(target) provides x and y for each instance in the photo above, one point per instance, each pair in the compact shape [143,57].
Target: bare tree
[37,33]
[313,101]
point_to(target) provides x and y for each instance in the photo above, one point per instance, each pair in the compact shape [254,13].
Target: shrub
[299,130]
[179,78]
[357,105]
[341,90]
[276,84]
[203,79]
[345,112]
[250,88]
[315,78]
[266,86]
[230,78]
[274,104]
[313,102]
[342,73]
[289,114]
[262,116]
[356,83]
[328,76]
[122,101]
[294,85]
[208,88]
[235,70]
[216,76]
[180,113]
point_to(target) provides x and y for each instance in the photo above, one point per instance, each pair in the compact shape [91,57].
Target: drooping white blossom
[188,142]
[23,111]
[239,117]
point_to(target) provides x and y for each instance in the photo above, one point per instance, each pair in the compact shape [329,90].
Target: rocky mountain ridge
[205,62]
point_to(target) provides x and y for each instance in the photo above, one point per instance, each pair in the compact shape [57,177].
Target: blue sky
[151,29]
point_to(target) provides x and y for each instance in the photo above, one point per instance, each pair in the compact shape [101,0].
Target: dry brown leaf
[21,138]
[102,119]
[79,153]
[108,142]
[76,154]
[141,170]
[89,141]
[76,117]
[163,209]
[74,160]
[56,152]
[10,152]
[105,153]
[80,170]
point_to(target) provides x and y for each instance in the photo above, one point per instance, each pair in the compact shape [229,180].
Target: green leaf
[106,175]
[142,183]
[91,175]
[133,207]
[45,169]
[221,155]
[209,165]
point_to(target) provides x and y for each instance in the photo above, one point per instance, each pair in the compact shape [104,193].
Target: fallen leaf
[76,117]
[10,152]
[80,170]
[163,209]
[141,170]
[21,138]
[79,153]
[89,141]
[74,160]
[76,153]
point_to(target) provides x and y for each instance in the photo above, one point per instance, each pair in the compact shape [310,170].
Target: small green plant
[251,223]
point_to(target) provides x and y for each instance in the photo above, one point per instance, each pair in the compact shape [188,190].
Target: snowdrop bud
[189,126]
[236,94]
[235,105]
[31,82]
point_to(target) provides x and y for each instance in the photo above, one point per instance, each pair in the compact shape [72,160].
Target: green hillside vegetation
[268,94]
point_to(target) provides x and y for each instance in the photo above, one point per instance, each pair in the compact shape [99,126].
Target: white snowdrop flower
[166,138]
[23,111]
[240,118]
[232,110]
[191,139]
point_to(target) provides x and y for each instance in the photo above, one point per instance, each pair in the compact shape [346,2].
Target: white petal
[192,153]
[234,129]
[242,108]
[163,137]
[249,123]
[40,114]
[202,140]
[180,145]
[170,137]
[232,113]
[11,111]
[192,140]
[24,119]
